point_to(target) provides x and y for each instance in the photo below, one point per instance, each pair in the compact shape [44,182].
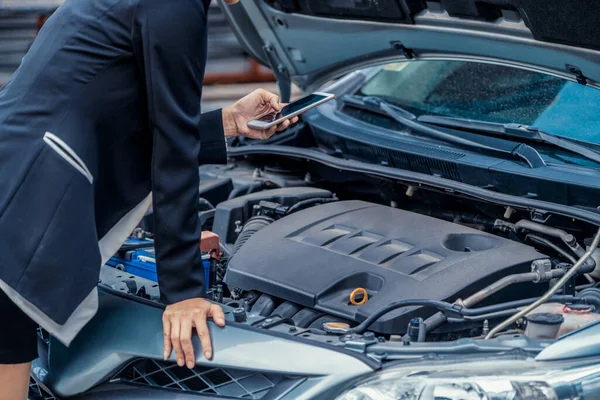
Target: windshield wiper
[406,118]
[512,131]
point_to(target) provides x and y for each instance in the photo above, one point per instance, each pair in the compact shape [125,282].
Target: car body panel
[125,330]
[348,44]
[584,342]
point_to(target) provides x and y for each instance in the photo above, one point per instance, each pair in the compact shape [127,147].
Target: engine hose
[499,285]
[474,314]
[545,242]
[567,239]
[454,308]
[439,319]
[550,293]
[248,189]
[590,293]
[440,305]
[253,225]
[308,202]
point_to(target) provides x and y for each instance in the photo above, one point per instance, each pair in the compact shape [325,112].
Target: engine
[431,269]
[350,259]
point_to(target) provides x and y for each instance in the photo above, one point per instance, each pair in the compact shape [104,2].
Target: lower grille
[38,393]
[231,383]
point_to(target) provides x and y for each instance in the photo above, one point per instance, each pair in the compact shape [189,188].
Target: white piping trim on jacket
[68,154]
[118,234]
[64,333]
[108,245]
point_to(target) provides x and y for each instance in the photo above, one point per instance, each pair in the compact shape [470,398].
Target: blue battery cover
[137,257]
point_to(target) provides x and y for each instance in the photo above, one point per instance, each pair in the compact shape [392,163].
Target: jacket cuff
[213,148]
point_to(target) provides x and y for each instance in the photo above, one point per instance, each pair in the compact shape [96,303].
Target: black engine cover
[318,256]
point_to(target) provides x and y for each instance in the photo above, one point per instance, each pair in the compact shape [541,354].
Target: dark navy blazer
[102,120]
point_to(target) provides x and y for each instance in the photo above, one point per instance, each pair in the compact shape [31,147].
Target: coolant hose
[253,225]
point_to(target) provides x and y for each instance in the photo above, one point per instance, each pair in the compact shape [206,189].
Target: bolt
[238,226]
[293,329]
[369,336]
[486,327]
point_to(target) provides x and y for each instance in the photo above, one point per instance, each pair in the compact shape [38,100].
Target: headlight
[502,380]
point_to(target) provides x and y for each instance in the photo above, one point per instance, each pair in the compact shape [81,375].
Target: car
[431,233]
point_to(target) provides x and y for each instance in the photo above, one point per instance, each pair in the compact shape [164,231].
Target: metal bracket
[578,74]
[540,216]
[408,53]
[281,74]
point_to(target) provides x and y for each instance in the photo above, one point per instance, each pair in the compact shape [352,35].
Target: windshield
[491,93]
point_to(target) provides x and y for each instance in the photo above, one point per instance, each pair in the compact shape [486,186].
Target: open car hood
[309,42]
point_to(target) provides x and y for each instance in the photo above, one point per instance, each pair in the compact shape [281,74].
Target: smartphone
[291,110]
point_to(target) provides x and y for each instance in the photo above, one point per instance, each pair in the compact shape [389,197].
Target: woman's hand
[254,106]
[179,321]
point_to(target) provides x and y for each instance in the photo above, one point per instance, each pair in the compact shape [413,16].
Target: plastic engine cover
[318,256]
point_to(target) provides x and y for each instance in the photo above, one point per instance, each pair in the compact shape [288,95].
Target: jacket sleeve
[213,147]
[170,40]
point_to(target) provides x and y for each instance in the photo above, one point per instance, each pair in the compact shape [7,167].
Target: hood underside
[311,41]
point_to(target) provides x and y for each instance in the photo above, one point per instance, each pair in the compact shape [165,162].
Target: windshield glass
[491,93]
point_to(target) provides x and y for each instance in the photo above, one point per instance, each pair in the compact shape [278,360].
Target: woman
[101,120]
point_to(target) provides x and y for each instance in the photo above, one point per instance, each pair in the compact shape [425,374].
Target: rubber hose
[589,293]
[253,225]
[567,239]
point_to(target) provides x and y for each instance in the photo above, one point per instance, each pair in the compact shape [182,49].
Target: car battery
[137,257]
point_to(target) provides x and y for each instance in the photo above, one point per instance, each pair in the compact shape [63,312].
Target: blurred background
[230,72]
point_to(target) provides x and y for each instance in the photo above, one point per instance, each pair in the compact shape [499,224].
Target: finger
[268,133]
[167,336]
[272,99]
[204,336]
[295,119]
[275,104]
[186,342]
[216,313]
[175,341]
[284,125]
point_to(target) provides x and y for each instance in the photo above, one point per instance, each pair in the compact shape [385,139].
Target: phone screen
[293,107]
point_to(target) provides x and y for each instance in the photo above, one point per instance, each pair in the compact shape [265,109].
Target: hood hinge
[578,74]
[281,74]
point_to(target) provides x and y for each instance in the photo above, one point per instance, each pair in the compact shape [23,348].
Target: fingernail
[190,364]
[207,354]
[165,355]
[220,321]
[180,362]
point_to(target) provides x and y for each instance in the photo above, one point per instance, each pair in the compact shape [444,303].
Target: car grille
[36,392]
[230,383]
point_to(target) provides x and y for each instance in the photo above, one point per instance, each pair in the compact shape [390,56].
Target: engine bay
[332,255]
